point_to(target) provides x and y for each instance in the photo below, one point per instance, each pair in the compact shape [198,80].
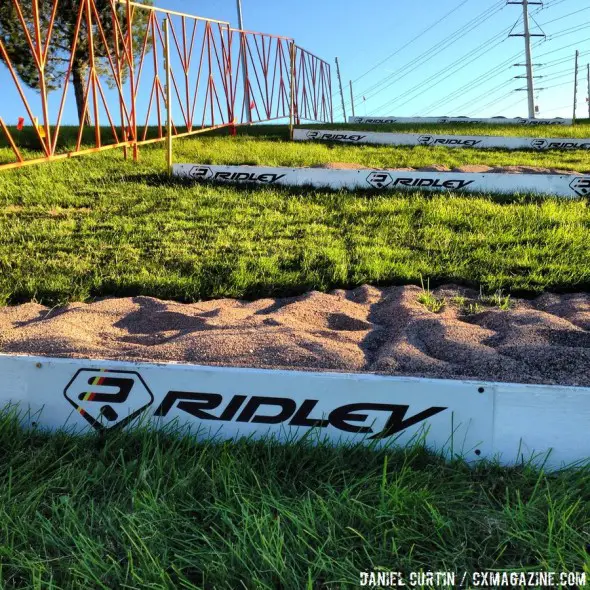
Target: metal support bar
[292,85]
[168,97]
[244,65]
[576,85]
[352,99]
[528,53]
[341,91]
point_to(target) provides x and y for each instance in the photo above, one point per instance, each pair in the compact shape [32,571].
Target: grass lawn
[145,510]
[99,225]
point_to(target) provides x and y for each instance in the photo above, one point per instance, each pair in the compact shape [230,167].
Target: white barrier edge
[507,421]
[545,184]
[453,120]
[432,140]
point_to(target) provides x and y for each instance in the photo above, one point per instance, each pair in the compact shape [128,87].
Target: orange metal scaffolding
[126,73]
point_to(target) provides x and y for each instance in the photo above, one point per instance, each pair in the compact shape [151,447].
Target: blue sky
[425,76]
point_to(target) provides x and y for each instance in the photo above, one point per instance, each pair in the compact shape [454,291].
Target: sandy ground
[545,340]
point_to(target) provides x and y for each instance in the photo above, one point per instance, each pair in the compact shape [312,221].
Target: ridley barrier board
[457,141]
[473,419]
[453,120]
[547,184]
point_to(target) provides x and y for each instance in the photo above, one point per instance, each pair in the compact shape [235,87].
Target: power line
[565,16]
[566,106]
[488,75]
[440,20]
[479,51]
[496,100]
[499,69]
[484,95]
[474,54]
[432,52]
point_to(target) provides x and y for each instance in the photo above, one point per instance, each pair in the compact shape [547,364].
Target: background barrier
[454,120]
[457,141]
[564,185]
[112,63]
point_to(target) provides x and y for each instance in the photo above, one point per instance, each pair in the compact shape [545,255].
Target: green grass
[580,130]
[100,225]
[263,151]
[258,145]
[158,511]
[430,301]
[147,510]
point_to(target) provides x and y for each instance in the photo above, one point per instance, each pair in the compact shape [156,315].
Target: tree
[62,40]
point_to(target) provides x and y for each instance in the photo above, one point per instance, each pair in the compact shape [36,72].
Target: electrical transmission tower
[528,52]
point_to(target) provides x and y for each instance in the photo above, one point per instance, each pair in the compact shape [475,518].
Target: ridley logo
[452,141]
[533,122]
[313,134]
[279,410]
[451,184]
[569,145]
[205,173]
[431,140]
[581,186]
[374,121]
[341,137]
[109,399]
[266,178]
[379,179]
[200,172]
[106,399]
[539,144]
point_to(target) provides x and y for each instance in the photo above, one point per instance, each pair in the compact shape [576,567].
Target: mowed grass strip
[258,145]
[99,225]
[580,130]
[160,510]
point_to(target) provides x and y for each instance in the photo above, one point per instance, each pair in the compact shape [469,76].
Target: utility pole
[576,85]
[244,67]
[352,99]
[528,52]
[588,91]
[341,91]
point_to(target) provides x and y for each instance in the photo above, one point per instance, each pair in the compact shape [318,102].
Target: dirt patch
[546,340]
[479,168]
[434,168]
[342,166]
[473,168]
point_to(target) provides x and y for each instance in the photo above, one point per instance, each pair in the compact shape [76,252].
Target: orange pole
[41,68]
[132,81]
[11,141]
[97,140]
[14,76]
[117,74]
[67,78]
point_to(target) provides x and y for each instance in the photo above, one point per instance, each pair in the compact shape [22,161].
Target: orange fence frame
[279,80]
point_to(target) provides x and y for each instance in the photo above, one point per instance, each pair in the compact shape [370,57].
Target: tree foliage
[59,53]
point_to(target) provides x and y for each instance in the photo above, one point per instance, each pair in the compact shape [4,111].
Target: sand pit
[545,340]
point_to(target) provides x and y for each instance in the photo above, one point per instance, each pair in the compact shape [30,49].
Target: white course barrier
[453,120]
[458,141]
[547,184]
[473,419]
